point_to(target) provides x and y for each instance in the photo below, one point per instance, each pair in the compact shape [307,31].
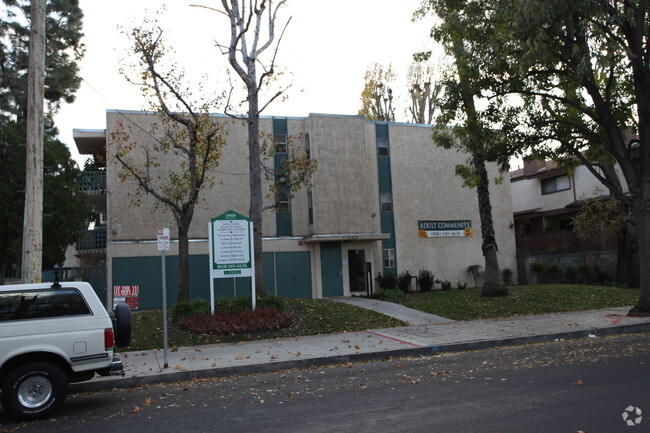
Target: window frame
[281,143]
[389,258]
[386,205]
[545,182]
[383,150]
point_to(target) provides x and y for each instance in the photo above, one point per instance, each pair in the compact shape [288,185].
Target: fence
[602,262]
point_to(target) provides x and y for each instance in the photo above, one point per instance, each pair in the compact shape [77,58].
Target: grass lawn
[521,300]
[316,316]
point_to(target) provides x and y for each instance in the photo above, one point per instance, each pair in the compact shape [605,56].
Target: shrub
[404,281]
[461,285]
[506,275]
[240,322]
[187,309]
[446,285]
[387,282]
[425,280]
[475,272]
[391,295]
[570,274]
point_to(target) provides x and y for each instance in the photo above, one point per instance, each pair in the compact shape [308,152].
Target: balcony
[93,182]
[92,241]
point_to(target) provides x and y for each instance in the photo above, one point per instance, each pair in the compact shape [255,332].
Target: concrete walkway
[422,338]
[400,312]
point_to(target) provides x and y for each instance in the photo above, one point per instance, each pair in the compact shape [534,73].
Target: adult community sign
[442,229]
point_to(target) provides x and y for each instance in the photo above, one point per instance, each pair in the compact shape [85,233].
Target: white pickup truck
[52,335]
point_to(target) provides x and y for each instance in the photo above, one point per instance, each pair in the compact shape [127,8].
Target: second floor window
[554,184]
[280,143]
[386,199]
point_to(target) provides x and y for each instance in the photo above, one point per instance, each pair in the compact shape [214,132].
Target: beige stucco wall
[345,197]
[345,185]
[425,187]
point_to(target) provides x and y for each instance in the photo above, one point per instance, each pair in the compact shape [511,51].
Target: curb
[177,376]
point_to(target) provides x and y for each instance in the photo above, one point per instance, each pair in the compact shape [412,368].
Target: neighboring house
[544,200]
[385,199]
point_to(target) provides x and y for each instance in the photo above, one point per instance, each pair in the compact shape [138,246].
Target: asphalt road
[568,386]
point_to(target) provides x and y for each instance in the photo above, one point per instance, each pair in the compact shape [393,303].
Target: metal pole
[251,251]
[32,256]
[164,308]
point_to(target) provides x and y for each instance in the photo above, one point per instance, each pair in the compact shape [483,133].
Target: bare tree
[423,91]
[187,137]
[248,20]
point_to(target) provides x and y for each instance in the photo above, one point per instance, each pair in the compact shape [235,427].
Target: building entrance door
[357,270]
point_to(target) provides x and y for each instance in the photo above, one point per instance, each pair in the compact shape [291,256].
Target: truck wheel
[122,325]
[34,390]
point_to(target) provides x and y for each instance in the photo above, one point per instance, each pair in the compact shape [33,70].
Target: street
[566,386]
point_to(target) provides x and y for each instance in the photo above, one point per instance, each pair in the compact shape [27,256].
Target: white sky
[326,50]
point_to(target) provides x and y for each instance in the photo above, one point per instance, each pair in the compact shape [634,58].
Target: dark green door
[293,274]
[331,269]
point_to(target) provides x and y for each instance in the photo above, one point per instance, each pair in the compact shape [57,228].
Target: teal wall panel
[331,269]
[269,272]
[294,274]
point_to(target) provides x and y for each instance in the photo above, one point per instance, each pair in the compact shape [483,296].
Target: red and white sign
[126,294]
[125,291]
[163,238]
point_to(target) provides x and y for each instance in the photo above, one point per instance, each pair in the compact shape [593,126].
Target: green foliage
[312,317]
[445,285]
[387,282]
[475,271]
[506,275]
[377,95]
[64,49]
[391,295]
[425,280]
[404,281]
[552,273]
[189,309]
[64,206]
[522,300]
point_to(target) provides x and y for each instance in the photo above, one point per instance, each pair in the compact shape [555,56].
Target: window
[39,304]
[555,184]
[284,201]
[382,146]
[280,141]
[389,257]
[310,207]
[386,199]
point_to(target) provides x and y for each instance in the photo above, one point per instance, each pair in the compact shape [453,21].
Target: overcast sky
[326,49]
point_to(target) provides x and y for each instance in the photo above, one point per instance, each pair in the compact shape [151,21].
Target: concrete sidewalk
[421,338]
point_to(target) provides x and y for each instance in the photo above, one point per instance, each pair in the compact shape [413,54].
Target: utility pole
[33,221]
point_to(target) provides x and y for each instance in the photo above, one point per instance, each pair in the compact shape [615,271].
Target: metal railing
[92,240]
[93,181]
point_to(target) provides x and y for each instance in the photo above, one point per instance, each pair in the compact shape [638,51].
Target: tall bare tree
[423,91]
[252,32]
[187,137]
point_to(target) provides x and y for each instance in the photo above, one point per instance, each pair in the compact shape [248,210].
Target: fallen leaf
[136,409]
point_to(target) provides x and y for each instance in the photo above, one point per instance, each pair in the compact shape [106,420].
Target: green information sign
[230,246]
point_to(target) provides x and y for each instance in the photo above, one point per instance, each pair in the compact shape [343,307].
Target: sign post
[231,240]
[163,245]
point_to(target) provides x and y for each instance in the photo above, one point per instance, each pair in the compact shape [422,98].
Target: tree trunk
[642,213]
[254,166]
[183,259]
[492,281]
